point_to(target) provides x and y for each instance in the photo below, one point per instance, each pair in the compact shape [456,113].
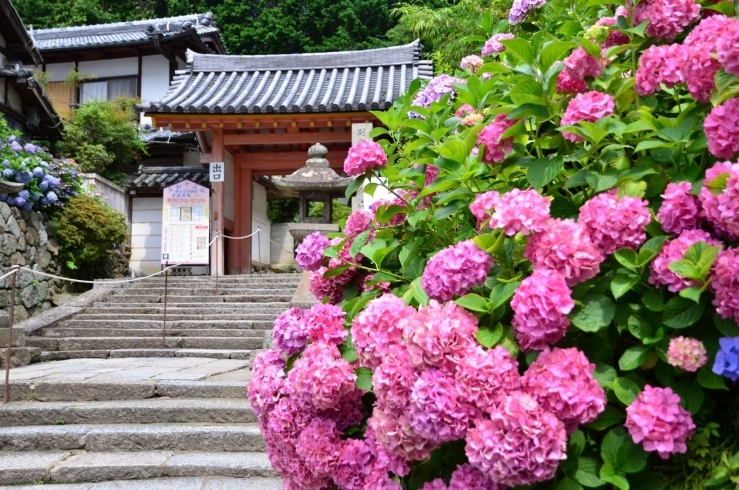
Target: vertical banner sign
[217,172]
[185,224]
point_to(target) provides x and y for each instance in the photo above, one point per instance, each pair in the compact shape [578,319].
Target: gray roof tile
[157,178]
[314,82]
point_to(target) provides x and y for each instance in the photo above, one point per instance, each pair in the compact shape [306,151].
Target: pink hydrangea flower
[561,380]
[309,253]
[290,332]
[722,129]
[657,420]
[713,205]
[357,222]
[384,461]
[725,284]
[348,410]
[355,465]
[699,65]
[521,444]
[521,8]
[496,147]
[680,209]
[438,336]
[286,421]
[325,323]
[672,251]
[484,376]
[325,287]
[565,246]
[267,381]
[435,410]
[728,206]
[658,65]
[393,379]
[455,270]
[727,48]
[464,110]
[578,66]
[363,156]
[378,327]
[321,378]
[435,484]
[568,83]
[493,44]
[686,353]
[590,107]
[515,211]
[467,477]
[540,308]
[319,447]
[395,434]
[667,18]
[615,223]
[473,62]
[615,37]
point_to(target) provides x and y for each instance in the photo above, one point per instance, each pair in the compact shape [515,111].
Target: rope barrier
[13,269]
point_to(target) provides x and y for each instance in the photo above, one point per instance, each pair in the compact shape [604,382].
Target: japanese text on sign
[185,226]
[217,172]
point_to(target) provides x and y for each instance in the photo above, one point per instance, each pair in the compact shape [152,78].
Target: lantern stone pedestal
[20,354]
[303,298]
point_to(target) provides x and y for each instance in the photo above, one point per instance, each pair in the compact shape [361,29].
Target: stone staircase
[115,407]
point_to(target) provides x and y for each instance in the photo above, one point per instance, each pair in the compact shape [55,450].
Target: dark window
[108,89]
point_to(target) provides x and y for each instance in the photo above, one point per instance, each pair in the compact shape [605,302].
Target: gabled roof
[157,178]
[19,43]
[134,32]
[314,82]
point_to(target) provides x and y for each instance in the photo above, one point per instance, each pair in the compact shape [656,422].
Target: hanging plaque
[185,224]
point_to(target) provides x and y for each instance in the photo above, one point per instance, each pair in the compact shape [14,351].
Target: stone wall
[25,236]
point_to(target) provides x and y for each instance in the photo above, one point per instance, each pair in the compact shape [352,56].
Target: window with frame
[108,89]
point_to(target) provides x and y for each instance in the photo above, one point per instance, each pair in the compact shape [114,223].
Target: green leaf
[591,48]
[691,395]
[692,293]
[626,257]
[639,327]
[587,473]
[710,380]
[455,150]
[681,312]
[568,483]
[726,326]
[419,294]
[542,171]
[718,184]
[474,302]
[609,417]
[622,283]
[356,184]
[489,338]
[554,52]
[726,8]
[634,357]
[358,243]
[595,313]
[626,390]
[520,49]
[529,110]
[364,378]
[502,292]
[630,458]
[652,299]
[336,271]
[612,442]
[686,269]
[650,249]
[604,375]
[576,444]
[651,144]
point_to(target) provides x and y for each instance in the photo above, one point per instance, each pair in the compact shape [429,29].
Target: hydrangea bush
[550,298]
[48,182]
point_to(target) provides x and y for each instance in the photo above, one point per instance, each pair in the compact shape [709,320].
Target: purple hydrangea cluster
[578,66]
[722,129]
[614,222]
[727,358]
[484,376]
[657,420]
[309,254]
[521,8]
[589,107]
[435,90]
[493,44]
[290,332]
[471,62]
[455,270]
[325,323]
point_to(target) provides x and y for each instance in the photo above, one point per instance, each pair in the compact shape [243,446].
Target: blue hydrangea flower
[12,138]
[6,163]
[3,197]
[35,197]
[30,148]
[16,147]
[24,176]
[27,207]
[24,194]
[43,185]
[727,358]
[8,173]
[19,201]
[44,201]
[38,172]
[51,196]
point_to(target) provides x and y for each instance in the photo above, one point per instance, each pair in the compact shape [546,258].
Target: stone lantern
[316,182]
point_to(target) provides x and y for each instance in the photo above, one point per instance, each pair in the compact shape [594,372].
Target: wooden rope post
[164,322]
[218,257]
[259,248]
[9,352]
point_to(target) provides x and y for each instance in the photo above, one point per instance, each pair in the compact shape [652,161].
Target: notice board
[185,224]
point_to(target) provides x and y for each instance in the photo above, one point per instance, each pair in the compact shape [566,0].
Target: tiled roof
[315,82]
[122,32]
[157,178]
[166,136]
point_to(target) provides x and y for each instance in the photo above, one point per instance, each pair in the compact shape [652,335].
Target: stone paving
[208,483]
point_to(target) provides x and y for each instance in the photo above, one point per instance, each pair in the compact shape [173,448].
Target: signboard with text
[185,224]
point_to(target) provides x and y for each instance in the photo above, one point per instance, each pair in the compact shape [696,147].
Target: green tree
[102,136]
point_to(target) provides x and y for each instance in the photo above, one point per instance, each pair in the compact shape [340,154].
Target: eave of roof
[13,29]
[314,82]
[157,178]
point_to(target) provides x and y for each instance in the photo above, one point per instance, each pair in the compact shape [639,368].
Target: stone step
[151,411]
[226,308]
[204,331]
[189,291]
[173,317]
[63,355]
[133,437]
[113,343]
[59,390]
[218,304]
[177,298]
[178,324]
[247,279]
[252,469]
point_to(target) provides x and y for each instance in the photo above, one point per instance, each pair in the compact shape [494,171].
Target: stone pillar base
[303,298]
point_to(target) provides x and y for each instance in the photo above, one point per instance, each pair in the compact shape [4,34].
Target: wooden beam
[206,158]
[218,206]
[288,138]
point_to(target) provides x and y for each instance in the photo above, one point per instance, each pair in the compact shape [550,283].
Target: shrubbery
[551,298]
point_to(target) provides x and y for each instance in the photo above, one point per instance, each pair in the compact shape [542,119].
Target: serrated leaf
[681,312]
[576,444]
[639,327]
[542,171]
[554,52]
[529,110]
[609,417]
[520,49]
[358,243]
[604,375]
[634,357]
[626,257]
[726,326]
[651,144]
[692,293]
[474,302]
[568,483]
[364,378]
[630,458]
[418,293]
[454,149]
[652,299]
[502,292]
[626,390]
[622,284]
[685,268]
[587,473]
[711,380]
[487,337]
[595,313]
[356,184]
[612,442]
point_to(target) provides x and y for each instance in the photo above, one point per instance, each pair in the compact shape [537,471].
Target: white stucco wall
[260,244]
[59,71]
[110,68]
[228,184]
[146,235]
[281,249]
[154,80]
